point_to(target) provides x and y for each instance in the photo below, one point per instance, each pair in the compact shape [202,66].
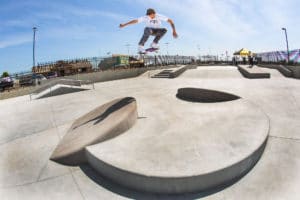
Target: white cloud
[70,32]
[15,40]
[232,24]
[68,10]
[16,23]
[46,15]
[214,16]
[83,12]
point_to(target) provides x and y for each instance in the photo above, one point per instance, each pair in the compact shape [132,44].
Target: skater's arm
[175,35]
[129,23]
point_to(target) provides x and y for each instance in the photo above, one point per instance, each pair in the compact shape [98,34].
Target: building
[64,67]
[114,62]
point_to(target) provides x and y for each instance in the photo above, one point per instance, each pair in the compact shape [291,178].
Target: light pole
[128,45]
[198,47]
[33,48]
[287,45]
[167,44]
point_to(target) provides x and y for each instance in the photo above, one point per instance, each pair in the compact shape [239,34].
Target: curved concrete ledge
[176,185]
[204,95]
[101,124]
[212,146]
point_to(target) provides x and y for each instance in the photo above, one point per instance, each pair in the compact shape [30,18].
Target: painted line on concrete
[77,185]
[33,182]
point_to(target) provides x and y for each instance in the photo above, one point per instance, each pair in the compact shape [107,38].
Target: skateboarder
[153,27]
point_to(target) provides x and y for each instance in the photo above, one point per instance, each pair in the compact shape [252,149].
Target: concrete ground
[30,130]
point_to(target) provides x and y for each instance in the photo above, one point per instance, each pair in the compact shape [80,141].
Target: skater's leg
[159,33]
[145,37]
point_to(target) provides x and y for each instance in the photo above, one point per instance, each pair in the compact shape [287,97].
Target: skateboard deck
[150,50]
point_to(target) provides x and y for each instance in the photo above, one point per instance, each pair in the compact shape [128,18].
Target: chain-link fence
[161,60]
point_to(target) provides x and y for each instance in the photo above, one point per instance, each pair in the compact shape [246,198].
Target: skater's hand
[122,25]
[175,35]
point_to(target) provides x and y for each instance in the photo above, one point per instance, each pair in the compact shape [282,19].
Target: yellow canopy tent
[243,52]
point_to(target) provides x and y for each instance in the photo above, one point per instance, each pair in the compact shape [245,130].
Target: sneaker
[154,45]
[141,49]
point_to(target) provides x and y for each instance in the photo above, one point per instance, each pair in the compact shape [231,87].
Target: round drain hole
[204,95]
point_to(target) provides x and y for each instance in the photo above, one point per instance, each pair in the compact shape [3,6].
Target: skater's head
[150,12]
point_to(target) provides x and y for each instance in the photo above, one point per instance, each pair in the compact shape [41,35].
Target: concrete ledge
[101,124]
[295,70]
[285,71]
[52,82]
[281,68]
[176,185]
[253,72]
[57,90]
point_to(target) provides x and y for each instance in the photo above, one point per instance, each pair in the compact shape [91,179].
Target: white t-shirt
[155,22]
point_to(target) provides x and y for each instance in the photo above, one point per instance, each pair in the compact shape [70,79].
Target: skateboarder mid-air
[153,27]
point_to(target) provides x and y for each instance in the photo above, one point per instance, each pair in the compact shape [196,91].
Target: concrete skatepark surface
[31,130]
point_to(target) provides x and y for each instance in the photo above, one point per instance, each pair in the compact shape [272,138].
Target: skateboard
[151,49]
[143,56]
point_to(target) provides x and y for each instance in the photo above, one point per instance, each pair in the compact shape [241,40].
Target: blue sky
[69,29]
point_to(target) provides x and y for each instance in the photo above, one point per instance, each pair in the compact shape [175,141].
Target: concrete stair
[170,73]
[162,74]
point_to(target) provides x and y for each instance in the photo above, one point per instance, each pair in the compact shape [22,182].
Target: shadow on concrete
[204,95]
[71,149]
[113,108]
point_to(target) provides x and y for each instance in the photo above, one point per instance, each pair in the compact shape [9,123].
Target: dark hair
[150,11]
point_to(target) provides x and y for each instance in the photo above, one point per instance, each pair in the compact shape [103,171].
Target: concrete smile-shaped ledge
[183,147]
[101,124]
[179,147]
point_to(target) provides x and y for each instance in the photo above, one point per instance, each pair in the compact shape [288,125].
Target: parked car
[27,79]
[40,77]
[6,82]
[51,75]
[31,79]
